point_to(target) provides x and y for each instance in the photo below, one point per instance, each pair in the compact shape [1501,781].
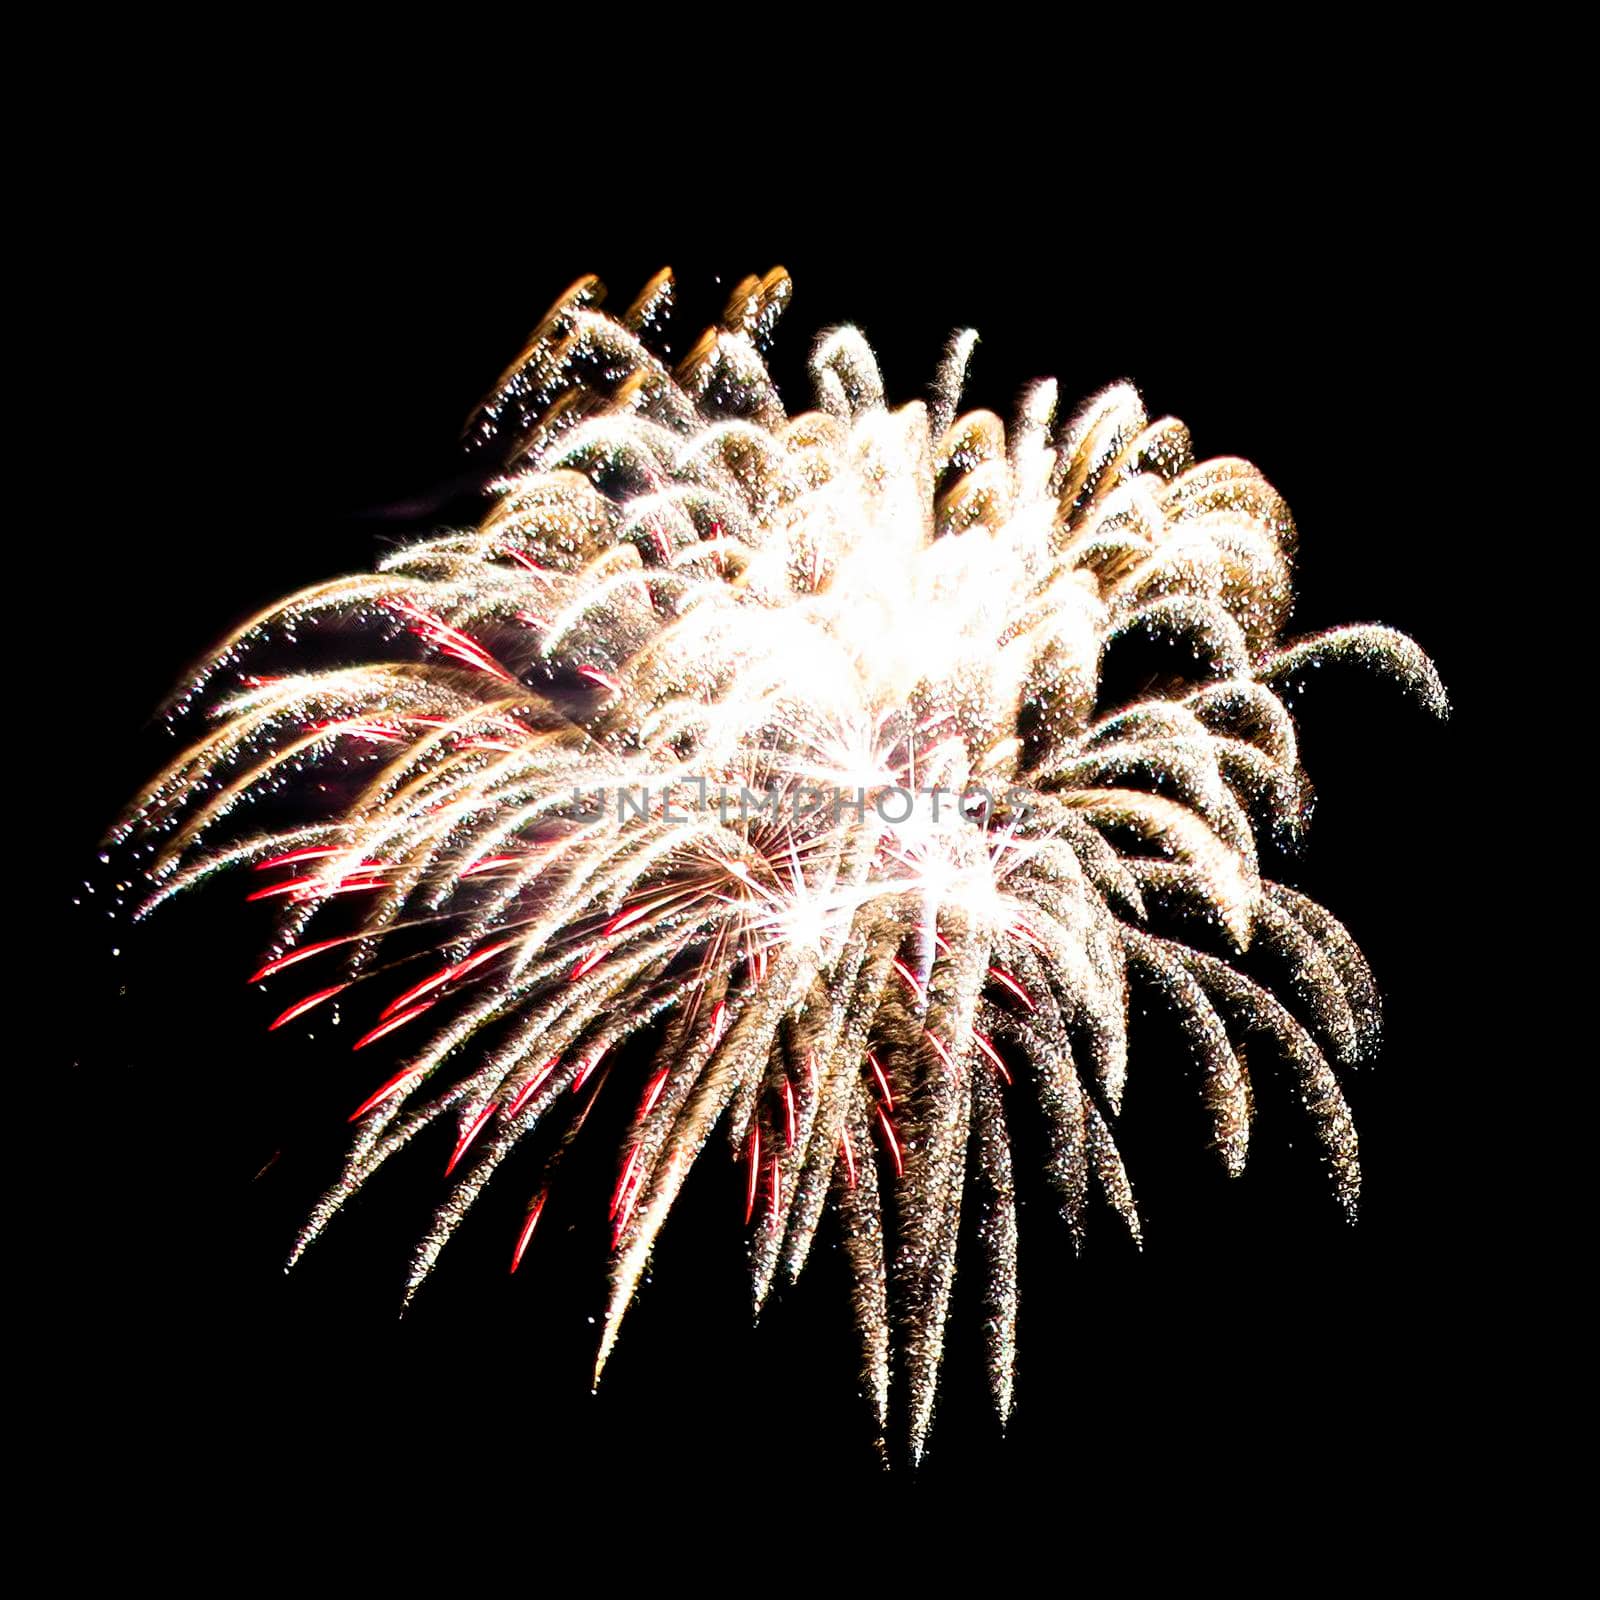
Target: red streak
[944,1055]
[755,1168]
[373,732]
[596,676]
[488,863]
[383,1094]
[849,1157]
[303,954]
[362,878]
[587,963]
[994,1055]
[653,1093]
[414,993]
[883,1082]
[894,1143]
[283,888]
[471,1134]
[719,1023]
[314,853]
[624,1180]
[451,641]
[910,977]
[478,960]
[788,1103]
[585,1072]
[469,654]
[1015,987]
[393,1023]
[630,1200]
[532,1086]
[300,1007]
[522,561]
[444,975]
[527,1231]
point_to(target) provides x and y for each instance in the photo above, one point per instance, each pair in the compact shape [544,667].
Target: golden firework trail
[785,747]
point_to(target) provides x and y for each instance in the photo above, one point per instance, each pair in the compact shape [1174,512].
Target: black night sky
[288,337]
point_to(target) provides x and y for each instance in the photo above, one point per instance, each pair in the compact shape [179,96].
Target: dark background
[286,336]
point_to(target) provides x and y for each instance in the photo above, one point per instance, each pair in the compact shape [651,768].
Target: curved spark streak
[824,625]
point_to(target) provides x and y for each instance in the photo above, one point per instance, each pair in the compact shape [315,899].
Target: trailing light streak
[294,958]
[1006,981]
[532,1086]
[623,1181]
[451,641]
[300,1007]
[943,1054]
[893,1142]
[386,1091]
[529,1224]
[446,975]
[883,1081]
[587,963]
[912,981]
[383,1029]
[315,853]
[474,1128]
[994,1055]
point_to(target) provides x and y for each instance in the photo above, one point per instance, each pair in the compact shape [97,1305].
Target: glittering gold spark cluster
[682,591]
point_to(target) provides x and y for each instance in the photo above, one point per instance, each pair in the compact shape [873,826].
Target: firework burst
[787,750]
